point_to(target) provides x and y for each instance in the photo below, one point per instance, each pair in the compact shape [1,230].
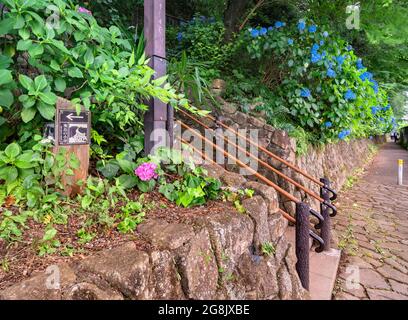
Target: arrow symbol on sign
[71,117]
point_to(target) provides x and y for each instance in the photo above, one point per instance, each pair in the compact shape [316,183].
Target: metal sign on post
[72,133]
[74,129]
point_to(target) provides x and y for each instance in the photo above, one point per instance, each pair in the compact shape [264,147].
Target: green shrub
[321,81]
[77,59]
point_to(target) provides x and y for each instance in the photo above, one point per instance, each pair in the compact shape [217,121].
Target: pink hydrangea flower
[84,10]
[147,171]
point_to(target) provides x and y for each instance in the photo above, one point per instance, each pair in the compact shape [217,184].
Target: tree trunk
[233,15]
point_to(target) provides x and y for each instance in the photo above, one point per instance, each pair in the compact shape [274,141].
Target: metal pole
[400,171]
[302,243]
[156,117]
[325,231]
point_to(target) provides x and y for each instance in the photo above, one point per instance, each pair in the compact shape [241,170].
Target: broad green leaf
[25,161]
[11,174]
[48,97]
[89,57]
[47,111]
[26,82]
[6,25]
[49,234]
[128,181]
[75,72]
[19,22]
[24,45]
[54,65]
[28,114]
[35,49]
[60,45]
[24,33]
[12,150]
[127,166]
[40,82]
[109,170]
[5,76]
[6,98]
[5,61]
[60,85]
[86,202]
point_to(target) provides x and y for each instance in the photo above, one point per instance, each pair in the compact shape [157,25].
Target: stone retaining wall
[215,256]
[334,161]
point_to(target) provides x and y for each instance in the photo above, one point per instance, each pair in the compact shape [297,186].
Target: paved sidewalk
[372,227]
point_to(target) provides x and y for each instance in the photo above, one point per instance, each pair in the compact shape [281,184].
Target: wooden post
[156,119]
[72,133]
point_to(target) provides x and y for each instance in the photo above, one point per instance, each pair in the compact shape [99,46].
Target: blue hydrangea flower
[350,95]
[305,93]
[343,134]
[349,48]
[331,73]
[322,42]
[387,107]
[263,31]
[301,25]
[375,85]
[374,110]
[328,124]
[366,76]
[179,36]
[382,119]
[278,24]
[290,41]
[270,28]
[325,34]
[360,64]
[316,57]
[255,33]
[324,54]
[340,60]
[315,48]
[312,29]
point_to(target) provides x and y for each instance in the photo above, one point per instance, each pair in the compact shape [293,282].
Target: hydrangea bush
[326,87]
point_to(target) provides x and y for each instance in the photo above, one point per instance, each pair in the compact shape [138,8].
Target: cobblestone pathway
[372,227]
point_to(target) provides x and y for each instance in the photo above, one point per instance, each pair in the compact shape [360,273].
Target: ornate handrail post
[156,121]
[325,231]
[302,243]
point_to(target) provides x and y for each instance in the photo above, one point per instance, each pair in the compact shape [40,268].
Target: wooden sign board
[72,133]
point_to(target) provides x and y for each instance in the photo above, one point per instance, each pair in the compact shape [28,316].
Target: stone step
[323,269]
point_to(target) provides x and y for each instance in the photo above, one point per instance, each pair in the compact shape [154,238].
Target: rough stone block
[165,278]
[42,286]
[233,180]
[258,276]
[258,211]
[89,291]
[124,268]
[268,194]
[165,235]
[197,266]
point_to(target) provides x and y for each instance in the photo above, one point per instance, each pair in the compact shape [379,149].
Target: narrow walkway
[372,227]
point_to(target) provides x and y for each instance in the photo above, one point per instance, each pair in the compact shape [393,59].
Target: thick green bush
[319,79]
[52,47]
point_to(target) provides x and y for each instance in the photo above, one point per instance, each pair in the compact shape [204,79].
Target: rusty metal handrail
[243,165]
[266,151]
[266,165]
